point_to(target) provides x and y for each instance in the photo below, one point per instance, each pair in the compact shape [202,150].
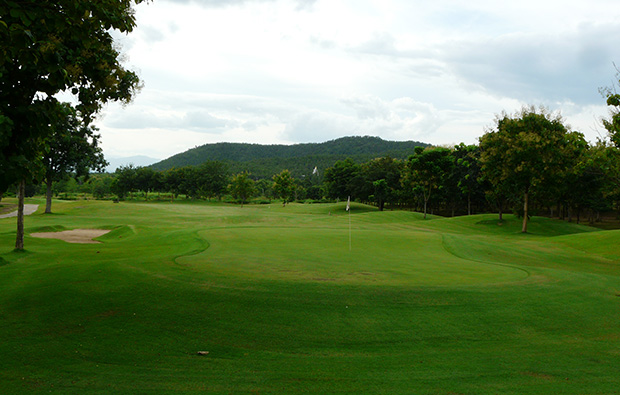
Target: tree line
[527,162]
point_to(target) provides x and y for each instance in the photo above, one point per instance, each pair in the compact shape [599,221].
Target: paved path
[28,209]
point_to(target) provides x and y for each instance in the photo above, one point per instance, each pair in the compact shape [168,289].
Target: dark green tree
[125,181]
[612,124]
[264,188]
[187,181]
[241,187]
[342,179]
[73,147]
[145,180]
[373,172]
[427,169]
[48,47]
[212,179]
[284,186]
[524,151]
[466,173]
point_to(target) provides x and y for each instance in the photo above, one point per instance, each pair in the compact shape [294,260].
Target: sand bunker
[81,236]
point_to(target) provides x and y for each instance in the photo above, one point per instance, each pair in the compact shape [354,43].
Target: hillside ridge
[299,158]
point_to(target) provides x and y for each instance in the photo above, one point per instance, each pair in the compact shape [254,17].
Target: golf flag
[348,203]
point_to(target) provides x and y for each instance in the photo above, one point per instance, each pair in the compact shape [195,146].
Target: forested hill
[266,160]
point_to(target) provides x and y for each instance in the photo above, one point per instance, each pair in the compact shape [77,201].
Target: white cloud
[285,71]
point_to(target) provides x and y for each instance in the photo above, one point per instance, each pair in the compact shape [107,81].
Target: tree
[264,188]
[341,179]
[73,147]
[601,164]
[145,180]
[284,186]
[125,181]
[381,180]
[241,187]
[612,124]
[466,172]
[212,179]
[523,151]
[99,185]
[428,168]
[47,47]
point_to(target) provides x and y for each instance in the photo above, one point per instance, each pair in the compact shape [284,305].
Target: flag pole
[349,230]
[349,210]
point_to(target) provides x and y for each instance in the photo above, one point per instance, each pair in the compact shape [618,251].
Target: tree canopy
[524,151]
[612,124]
[427,169]
[241,187]
[72,148]
[48,47]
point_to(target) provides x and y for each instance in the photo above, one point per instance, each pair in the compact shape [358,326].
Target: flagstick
[349,210]
[349,229]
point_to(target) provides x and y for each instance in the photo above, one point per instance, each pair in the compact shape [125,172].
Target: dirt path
[28,209]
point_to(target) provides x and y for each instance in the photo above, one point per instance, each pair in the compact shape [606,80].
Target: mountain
[138,161]
[262,161]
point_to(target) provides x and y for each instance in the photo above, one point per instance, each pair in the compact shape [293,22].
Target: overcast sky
[298,71]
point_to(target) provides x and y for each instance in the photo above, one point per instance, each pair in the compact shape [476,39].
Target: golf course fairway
[196,297]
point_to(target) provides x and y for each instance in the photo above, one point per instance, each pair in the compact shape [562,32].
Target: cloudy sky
[298,71]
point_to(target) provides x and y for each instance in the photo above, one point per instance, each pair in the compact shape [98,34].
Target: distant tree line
[527,163]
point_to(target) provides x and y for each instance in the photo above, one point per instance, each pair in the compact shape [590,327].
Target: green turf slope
[281,304]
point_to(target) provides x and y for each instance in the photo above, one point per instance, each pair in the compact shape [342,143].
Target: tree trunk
[19,240]
[501,213]
[426,199]
[525,198]
[468,203]
[48,196]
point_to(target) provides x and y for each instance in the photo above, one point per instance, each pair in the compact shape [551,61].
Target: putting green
[381,258]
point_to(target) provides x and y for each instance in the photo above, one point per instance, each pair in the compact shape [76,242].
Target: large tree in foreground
[524,151]
[48,47]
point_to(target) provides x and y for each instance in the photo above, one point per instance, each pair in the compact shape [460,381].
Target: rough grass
[6,208]
[438,306]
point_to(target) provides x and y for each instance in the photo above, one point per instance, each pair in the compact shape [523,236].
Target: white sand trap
[80,236]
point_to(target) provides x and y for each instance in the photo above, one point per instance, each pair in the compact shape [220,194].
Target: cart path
[28,209]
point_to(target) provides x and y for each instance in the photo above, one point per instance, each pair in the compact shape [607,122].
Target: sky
[301,71]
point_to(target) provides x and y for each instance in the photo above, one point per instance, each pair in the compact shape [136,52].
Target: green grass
[441,306]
